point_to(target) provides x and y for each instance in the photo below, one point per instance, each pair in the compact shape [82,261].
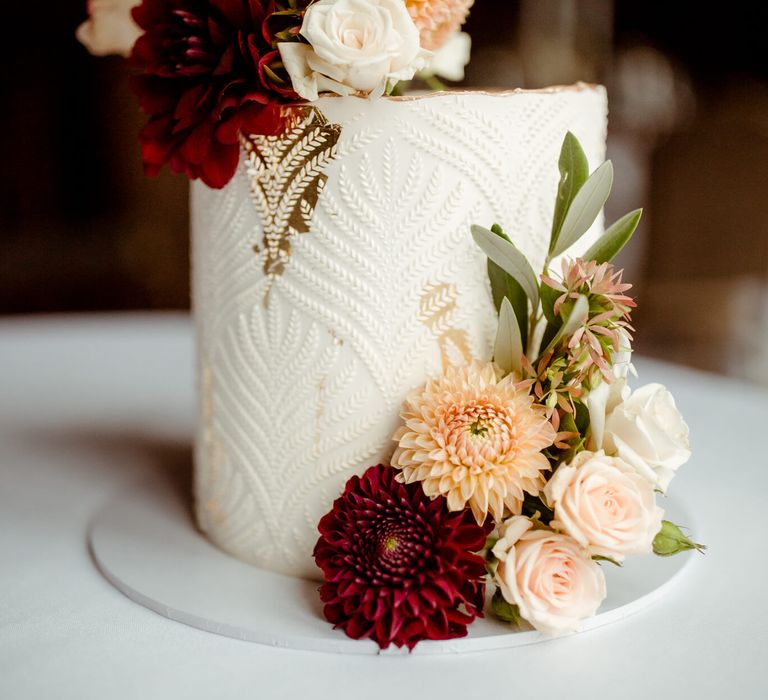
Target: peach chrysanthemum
[438,20]
[475,439]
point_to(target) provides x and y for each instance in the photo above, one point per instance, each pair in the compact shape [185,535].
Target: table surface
[91,404]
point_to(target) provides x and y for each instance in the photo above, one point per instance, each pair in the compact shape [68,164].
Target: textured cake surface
[336,272]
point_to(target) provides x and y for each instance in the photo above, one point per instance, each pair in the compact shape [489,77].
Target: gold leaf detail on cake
[436,312]
[287,177]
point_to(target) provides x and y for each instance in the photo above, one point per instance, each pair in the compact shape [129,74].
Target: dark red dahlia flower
[399,567]
[201,84]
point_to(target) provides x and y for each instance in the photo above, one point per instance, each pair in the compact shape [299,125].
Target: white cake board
[146,545]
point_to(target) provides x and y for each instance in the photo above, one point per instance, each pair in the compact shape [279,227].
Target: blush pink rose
[605,505]
[109,29]
[550,578]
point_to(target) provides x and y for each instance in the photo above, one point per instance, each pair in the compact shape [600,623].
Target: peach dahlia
[438,20]
[475,438]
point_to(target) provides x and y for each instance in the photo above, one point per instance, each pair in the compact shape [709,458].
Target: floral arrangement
[211,71]
[527,473]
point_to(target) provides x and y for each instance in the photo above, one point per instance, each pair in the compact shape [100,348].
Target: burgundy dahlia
[201,83]
[399,567]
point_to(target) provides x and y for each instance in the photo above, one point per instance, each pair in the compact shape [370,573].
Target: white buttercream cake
[336,271]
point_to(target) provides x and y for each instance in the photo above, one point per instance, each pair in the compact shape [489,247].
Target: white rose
[647,431]
[600,401]
[355,46]
[451,58]
[548,575]
[604,397]
[110,29]
[605,505]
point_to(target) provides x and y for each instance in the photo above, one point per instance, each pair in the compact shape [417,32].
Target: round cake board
[146,544]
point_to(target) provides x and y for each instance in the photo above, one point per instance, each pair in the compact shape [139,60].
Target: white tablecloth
[89,405]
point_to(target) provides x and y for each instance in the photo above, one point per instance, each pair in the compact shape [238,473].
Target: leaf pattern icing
[383,286]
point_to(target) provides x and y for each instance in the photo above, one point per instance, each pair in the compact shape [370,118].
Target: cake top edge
[502,92]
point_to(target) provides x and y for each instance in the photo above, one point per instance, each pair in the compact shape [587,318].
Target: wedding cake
[336,270]
[414,347]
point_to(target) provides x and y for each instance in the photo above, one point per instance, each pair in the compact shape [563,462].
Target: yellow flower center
[390,544]
[479,428]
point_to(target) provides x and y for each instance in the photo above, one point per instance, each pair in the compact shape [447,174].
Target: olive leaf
[585,207]
[574,171]
[616,236]
[507,256]
[504,285]
[508,349]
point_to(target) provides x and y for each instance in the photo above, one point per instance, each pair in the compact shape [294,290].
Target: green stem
[434,83]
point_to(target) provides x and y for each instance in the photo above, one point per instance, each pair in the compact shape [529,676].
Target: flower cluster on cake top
[210,71]
[542,447]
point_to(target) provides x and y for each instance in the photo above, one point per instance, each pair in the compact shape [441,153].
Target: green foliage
[574,171]
[581,419]
[518,295]
[505,611]
[616,236]
[504,285]
[585,207]
[506,255]
[508,349]
[533,505]
[548,298]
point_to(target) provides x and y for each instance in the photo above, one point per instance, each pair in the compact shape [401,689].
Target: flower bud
[671,540]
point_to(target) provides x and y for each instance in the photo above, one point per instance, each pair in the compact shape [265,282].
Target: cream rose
[552,580]
[605,396]
[110,29]
[647,431]
[354,46]
[601,401]
[605,505]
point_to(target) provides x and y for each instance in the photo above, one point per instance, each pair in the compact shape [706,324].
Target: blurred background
[82,229]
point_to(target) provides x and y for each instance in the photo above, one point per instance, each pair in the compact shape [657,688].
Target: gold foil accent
[286,180]
[436,312]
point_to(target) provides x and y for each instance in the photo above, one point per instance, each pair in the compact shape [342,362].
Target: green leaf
[576,319]
[508,349]
[582,418]
[533,505]
[672,540]
[548,298]
[586,205]
[549,335]
[506,612]
[506,255]
[616,236]
[504,285]
[574,171]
